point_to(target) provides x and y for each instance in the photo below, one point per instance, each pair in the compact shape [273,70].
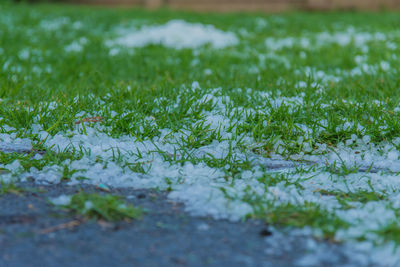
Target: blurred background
[244,5]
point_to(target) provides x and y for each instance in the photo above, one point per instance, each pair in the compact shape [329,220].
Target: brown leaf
[90,119]
[67,225]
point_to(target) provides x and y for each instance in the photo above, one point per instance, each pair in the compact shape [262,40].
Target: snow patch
[178,34]
[61,200]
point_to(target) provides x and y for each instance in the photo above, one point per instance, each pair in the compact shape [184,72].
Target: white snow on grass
[206,190]
[76,46]
[177,34]
[356,181]
[348,37]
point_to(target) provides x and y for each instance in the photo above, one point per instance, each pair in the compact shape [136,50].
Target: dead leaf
[67,225]
[90,119]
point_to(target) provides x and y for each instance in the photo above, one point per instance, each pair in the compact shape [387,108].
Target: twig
[67,225]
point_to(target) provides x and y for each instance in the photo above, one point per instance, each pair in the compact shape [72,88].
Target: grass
[10,188]
[308,214]
[13,188]
[105,207]
[316,89]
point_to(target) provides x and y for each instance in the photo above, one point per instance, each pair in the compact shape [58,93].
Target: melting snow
[14,145]
[61,200]
[205,190]
[178,34]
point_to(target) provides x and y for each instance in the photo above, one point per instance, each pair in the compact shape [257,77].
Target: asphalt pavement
[35,233]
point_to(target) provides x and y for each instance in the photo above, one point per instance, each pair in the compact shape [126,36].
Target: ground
[289,120]
[36,233]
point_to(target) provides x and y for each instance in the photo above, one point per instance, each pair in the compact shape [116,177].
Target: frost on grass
[177,34]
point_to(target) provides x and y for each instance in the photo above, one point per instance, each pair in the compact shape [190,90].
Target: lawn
[291,118]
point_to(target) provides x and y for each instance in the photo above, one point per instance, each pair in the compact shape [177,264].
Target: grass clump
[310,214]
[10,188]
[102,207]
[361,196]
